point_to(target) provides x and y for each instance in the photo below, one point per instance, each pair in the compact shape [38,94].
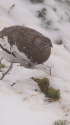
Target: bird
[24,45]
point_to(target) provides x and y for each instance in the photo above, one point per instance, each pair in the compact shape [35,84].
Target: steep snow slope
[21,104]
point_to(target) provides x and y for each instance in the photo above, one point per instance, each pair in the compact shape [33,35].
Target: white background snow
[21,104]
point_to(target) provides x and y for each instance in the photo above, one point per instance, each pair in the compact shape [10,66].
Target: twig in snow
[50,69]
[3,75]
[1,60]
[11,8]
[13,84]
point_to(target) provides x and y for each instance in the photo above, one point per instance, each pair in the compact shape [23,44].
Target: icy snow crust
[21,104]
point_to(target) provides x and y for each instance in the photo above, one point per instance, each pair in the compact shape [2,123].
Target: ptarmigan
[24,45]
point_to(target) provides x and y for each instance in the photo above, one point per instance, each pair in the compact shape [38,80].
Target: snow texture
[21,104]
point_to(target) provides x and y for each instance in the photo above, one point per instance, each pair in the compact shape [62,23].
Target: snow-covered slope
[21,104]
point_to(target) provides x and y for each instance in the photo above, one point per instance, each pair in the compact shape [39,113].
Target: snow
[11,114]
[21,104]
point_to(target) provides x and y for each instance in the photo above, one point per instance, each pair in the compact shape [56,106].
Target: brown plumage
[29,42]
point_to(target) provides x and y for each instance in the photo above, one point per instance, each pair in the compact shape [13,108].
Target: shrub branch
[1,60]
[4,74]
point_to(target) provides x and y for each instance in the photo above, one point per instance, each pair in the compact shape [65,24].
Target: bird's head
[43,43]
[47,42]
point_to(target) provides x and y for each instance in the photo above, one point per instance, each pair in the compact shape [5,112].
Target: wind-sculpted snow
[24,103]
